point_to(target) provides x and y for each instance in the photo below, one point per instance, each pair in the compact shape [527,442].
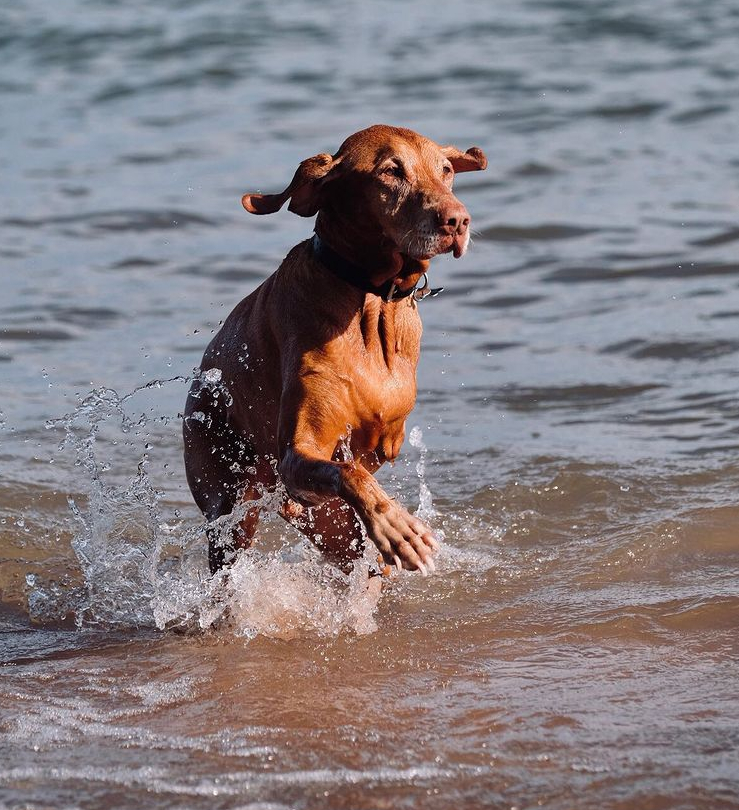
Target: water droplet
[212,375]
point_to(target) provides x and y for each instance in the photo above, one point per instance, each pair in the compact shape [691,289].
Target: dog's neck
[369,250]
[358,277]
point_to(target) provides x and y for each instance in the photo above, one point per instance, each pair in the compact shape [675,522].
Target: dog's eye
[393,170]
[446,170]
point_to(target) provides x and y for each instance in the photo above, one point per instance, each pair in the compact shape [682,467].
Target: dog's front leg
[315,408]
[402,539]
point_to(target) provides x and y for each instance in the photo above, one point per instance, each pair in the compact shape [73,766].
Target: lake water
[577,420]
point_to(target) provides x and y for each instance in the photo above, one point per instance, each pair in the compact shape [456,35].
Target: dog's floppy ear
[473,160]
[303,191]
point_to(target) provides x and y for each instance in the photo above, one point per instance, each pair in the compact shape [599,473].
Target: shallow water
[578,420]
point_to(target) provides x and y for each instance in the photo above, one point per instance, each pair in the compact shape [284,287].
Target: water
[575,438]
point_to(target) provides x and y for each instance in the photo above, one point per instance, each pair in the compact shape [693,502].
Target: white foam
[279,598]
[164,693]
[159,780]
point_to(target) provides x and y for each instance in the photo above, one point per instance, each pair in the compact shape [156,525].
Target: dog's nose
[453,218]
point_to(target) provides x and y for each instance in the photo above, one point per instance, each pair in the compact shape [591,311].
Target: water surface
[578,420]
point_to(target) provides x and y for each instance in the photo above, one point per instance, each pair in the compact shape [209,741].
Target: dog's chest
[384,396]
[379,424]
[384,385]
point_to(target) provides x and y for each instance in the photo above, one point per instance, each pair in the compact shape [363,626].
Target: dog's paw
[403,540]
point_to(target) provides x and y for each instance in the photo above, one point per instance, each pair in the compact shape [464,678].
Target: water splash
[426,510]
[290,592]
[143,567]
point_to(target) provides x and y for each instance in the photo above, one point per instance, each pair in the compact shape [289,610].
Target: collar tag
[424,291]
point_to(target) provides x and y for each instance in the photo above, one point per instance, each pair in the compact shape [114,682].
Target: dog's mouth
[455,244]
[426,248]
[459,244]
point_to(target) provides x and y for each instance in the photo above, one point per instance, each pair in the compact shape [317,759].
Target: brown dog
[312,376]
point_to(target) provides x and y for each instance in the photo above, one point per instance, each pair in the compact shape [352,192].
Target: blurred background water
[578,414]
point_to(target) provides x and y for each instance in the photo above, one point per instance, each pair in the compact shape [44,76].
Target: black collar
[354,275]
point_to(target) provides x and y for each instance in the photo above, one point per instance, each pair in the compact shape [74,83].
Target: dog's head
[384,183]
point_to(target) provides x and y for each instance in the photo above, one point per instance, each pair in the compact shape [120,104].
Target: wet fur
[309,360]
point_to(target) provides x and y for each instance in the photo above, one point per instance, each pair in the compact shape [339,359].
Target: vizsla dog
[311,378]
